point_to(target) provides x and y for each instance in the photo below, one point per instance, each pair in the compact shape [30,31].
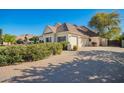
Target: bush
[36,52]
[55,48]
[14,54]
[94,44]
[75,48]
[19,41]
[64,45]
[3,59]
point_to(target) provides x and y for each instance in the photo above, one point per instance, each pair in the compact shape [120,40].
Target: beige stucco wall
[60,34]
[96,39]
[77,40]
[103,42]
[123,43]
[73,40]
[99,41]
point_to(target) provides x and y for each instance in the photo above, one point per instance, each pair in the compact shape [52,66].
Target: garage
[73,41]
[80,42]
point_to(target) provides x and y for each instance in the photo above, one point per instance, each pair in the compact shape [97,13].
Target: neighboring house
[25,38]
[76,35]
[41,39]
[22,37]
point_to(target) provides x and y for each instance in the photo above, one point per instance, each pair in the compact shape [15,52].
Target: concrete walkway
[90,64]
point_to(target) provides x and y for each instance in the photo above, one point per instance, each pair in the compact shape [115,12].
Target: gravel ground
[88,65]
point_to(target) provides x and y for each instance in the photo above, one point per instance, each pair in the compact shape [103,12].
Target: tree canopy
[107,24]
[34,39]
[9,38]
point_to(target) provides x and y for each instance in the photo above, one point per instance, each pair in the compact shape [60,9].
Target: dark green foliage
[19,41]
[34,39]
[64,45]
[34,52]
[75,48]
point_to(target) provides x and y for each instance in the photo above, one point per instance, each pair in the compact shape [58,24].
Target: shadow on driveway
[87,67]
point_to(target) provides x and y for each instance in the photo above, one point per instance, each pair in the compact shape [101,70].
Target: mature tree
[107,24]
[1,36]
[9,38]
[34,39]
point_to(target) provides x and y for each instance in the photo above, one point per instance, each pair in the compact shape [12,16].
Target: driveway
[88,65]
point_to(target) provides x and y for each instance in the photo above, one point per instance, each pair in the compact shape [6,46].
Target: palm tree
[9,38]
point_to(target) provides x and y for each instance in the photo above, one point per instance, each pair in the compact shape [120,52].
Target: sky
[19,21]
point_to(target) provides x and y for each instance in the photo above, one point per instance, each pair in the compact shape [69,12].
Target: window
[60,39]
[48,39]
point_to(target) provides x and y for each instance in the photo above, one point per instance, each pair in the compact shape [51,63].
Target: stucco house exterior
[79,36]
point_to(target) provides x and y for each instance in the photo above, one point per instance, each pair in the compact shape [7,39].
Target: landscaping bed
[33,52]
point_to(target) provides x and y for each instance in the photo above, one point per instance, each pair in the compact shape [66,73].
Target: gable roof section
[49,29]
[62,27]
[52,28]
[79,30]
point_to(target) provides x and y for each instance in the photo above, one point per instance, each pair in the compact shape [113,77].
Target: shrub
[19,41]
[64,45]
[75,48]
[14,54]
[55,48]
[94,44]
[3,59]
[36,52]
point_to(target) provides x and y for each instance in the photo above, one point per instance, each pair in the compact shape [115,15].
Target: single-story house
[22,37]
[79,36]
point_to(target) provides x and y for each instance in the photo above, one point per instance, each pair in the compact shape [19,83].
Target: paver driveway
[90,64]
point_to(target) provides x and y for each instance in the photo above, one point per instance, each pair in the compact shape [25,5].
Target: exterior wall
[60,34]
[55,35]
[122,43]
[73,40]
[96,39]
[103,42]
[99,41]
[82,42]
[77,40]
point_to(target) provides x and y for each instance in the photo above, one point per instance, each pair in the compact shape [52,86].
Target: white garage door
[73,40]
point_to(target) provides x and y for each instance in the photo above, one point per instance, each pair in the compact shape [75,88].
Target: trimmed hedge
[34,52]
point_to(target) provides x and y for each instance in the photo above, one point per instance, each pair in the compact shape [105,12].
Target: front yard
[90,64]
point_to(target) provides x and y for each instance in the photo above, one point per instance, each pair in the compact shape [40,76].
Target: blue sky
[31,21]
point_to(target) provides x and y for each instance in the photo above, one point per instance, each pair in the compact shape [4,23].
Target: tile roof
[72,28]
[52,28]
[22,37]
